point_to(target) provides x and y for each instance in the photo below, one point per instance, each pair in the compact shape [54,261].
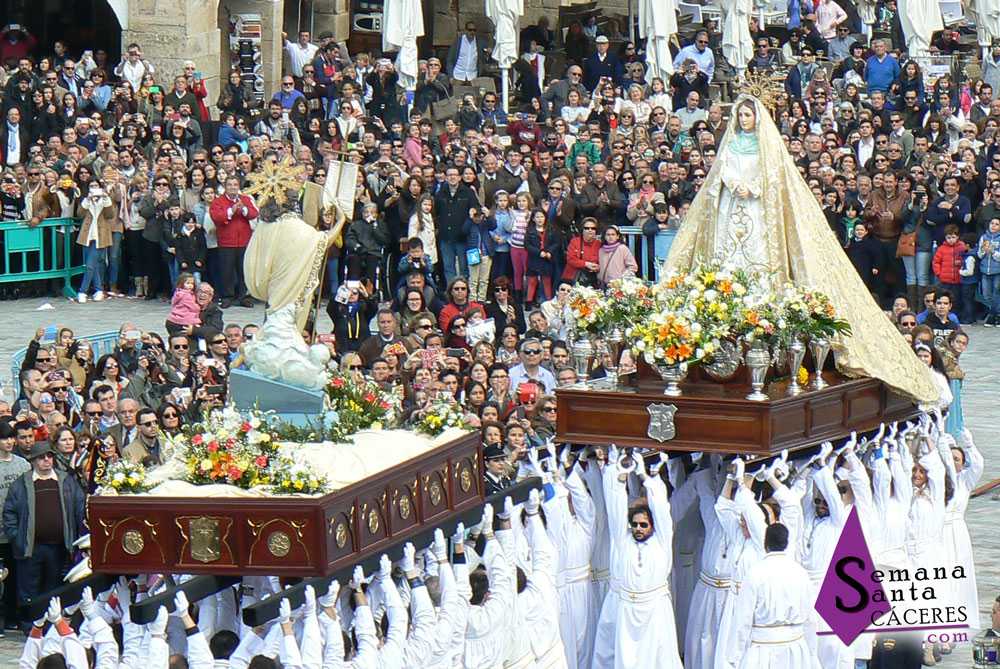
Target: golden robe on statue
[755,211]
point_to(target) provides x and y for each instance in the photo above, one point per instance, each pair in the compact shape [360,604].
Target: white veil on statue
[792,237]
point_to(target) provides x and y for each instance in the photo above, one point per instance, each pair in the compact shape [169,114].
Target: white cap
[602,39]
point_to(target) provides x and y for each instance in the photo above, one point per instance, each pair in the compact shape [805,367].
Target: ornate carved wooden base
[285,536]
[717,417]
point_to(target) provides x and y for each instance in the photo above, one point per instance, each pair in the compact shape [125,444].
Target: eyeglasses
[148,423]
[45,359]
[589,227]
[454,288]
[640,524]
[455,326]
[423,326]
[549,409]
[354,367]
[532,351]
[169,415]
[93,413]
[287,83]
[702,41]
[180,347]
[500,289]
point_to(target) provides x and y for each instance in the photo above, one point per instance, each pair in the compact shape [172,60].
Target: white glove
[284,612]
[310,606]
[54,613]
[893,430]
[532,456]
[553,462]
[880,433]
[229,212]
[939,420]
[329,600]
[87,603]
[739,468]
[564,456]
[639,466]
[358,579]
[487,521]
[779,469]
[459,536]
[508,509]
[534,501]
[384,567]
[654,469]
[825,449]
[408,564]
[180,604]
[439,547]
[159,624]
[613,455]
[761,473]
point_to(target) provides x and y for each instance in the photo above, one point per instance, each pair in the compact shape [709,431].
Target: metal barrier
[43,251]
[101,344]
[633,237]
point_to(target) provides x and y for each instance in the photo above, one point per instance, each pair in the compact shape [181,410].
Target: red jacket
[575,260]
[232,228]
[948,261]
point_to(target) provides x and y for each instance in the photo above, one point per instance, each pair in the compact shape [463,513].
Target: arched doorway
[82,24]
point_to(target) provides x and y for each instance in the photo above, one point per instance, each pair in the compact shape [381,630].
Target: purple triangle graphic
[846,599]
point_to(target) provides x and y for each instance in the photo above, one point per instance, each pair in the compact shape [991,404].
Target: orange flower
[685,351]
[753,318]
[682,331]
[726,286]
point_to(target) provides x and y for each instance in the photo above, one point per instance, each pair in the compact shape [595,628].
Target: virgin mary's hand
[742,192]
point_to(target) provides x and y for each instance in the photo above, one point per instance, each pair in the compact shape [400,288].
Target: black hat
[494,452]
[39,449]
[326,34]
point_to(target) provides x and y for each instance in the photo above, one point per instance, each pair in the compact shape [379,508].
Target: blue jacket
[880,75]
[501,222]
[989,262]
[956,215]
[972,279]
[19,513]
[481,235]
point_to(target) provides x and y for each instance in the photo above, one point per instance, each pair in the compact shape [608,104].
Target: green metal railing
[43,251]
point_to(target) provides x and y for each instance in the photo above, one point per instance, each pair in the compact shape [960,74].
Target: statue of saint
[755,212]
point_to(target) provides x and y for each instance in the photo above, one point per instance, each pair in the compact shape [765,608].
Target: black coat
[537,265]
[452,211]
[191,250]
[865,256]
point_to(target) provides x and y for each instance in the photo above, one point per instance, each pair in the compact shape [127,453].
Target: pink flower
[261,461]
[246,427]
[212,447]
[337,382]
[370,398]
[234,472]
[197,440]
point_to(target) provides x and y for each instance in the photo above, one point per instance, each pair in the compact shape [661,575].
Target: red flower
[261,461]
[370,398]
[384,405]
[337,382]
[246,427]
[197,440]
[212,447]
[230,442]
[235,472]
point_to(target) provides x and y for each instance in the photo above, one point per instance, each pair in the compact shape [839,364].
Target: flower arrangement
[590,308]
[711,295]
[438,417]
[810,313]
[356,406]
[124,477]
[290,477]
[227,447]
[669,337]
[629,300]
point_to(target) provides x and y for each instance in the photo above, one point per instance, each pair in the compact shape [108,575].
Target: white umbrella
[657,24]
[986,14]
[919,19]
[402,24]
[505,15]
[737,44]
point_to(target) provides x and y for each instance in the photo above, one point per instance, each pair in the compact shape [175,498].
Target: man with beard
[636,627]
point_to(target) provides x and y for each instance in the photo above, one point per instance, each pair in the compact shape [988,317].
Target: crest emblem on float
[661,422]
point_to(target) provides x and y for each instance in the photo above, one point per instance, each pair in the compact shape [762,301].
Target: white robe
[749,548]
[956,541]
[737,43]
[712,590]
[771,613]
[919,20]
[600,555]
[636,627]
[489,624]
[574,539]
[689,537]
[818,544]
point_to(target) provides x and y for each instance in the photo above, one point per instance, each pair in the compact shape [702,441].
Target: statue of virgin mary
[755,212]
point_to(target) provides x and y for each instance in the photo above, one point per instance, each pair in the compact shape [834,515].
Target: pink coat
[184,308]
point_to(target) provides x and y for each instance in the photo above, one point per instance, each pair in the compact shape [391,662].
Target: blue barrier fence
[43,251]
[101,344]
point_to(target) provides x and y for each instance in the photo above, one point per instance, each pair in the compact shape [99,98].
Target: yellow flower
[265,437]
[803,376]
[206,465]
[298,485]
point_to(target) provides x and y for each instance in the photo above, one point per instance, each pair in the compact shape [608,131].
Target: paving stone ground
[981,397]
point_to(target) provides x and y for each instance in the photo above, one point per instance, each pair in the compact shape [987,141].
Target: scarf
[745,143]
[610,248]
[647,191]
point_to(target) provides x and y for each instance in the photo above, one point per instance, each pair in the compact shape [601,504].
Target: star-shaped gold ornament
[274,180]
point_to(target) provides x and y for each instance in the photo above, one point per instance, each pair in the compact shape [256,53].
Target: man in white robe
[636,627]
[771,612]
[713,588]
[919,19]
[490,613]
[570,518]
[737,44]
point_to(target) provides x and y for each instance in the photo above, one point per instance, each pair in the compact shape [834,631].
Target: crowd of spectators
[452,275]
